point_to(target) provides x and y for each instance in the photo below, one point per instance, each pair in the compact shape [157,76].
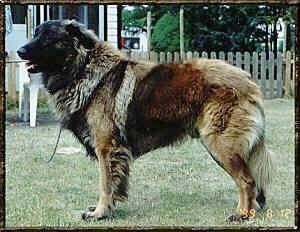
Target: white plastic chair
[29,85]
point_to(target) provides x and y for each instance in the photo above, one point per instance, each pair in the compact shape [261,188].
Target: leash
[124,96]
[58,137]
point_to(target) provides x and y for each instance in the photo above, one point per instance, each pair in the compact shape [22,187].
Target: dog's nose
[22,52]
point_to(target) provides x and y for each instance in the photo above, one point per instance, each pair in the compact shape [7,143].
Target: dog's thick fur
[120,109]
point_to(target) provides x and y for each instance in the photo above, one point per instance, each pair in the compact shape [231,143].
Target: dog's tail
[261,167]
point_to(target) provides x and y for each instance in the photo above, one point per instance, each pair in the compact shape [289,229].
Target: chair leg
[21,101]
[34,90]
[26,104]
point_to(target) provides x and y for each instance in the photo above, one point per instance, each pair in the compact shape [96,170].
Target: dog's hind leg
[228,156]
[114,171]
[228,134]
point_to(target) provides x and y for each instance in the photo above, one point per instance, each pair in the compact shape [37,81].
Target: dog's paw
[96,213]
[91,208]
[236,218]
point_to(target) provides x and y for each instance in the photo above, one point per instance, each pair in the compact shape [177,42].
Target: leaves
[165,35]
[211,28]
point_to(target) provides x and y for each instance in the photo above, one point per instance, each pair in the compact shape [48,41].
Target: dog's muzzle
[22,52]
[26,53]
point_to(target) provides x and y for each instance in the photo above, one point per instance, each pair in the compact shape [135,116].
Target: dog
[120,109]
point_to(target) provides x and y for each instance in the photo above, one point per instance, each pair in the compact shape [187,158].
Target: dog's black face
[58,48]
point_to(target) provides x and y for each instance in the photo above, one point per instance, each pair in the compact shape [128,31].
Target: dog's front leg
[114,171]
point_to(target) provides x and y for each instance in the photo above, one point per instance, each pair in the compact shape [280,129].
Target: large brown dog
[120,109]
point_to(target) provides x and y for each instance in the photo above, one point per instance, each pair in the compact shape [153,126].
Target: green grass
[173,186]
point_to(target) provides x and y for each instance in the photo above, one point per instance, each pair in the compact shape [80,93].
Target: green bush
[165,35]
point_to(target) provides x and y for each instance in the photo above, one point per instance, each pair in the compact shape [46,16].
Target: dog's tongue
[31,68]
[28,64]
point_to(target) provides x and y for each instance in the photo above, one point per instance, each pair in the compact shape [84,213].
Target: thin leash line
[58,137]
[99,82]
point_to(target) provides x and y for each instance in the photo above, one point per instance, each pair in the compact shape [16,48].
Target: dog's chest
[78,125]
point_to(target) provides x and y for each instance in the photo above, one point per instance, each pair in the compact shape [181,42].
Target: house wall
[16,38]
[141,35]
[13,41]
[112,25]
[67,11]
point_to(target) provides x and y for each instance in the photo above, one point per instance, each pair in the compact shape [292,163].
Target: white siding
[101,22]
[112,25]
[16,38]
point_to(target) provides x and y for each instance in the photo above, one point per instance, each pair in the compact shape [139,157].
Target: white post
[85,16]
[149,31]
[48,13]
[34,91]
[30,22]
[284,25]
[181,36]
[60,12]
[101,22]
[34,85]
[42,14]
[34,17]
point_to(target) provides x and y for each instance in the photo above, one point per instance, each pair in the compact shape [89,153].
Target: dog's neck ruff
[78,95]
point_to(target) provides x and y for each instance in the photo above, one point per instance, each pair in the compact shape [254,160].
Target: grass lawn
[173,186]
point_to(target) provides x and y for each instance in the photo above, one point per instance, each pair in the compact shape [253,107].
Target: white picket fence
[275,74]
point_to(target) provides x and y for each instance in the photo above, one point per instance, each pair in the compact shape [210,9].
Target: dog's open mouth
[32,67]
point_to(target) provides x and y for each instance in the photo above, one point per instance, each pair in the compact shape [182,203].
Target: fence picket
[153,57]
[255,67]
[213,55]
[279,74]
[230,57]
[144,55]
[196,54]
[176,57]
[293,74]
[271,74]
[204,55]
[247,62]
[221,55]
[162,57]
[189,55]
[169,57]
[263,72]
[287,80]
[12,78]
[238,59]
[183,56]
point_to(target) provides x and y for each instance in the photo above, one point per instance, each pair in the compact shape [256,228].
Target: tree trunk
[275,37]
[267,39]
[288,37]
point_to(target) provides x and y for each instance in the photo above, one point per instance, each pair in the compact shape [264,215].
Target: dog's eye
[59,44]
[36,32]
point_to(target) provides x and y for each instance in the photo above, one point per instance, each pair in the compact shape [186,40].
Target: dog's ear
[86,37]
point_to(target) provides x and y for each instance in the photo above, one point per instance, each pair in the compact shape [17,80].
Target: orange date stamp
[269,213]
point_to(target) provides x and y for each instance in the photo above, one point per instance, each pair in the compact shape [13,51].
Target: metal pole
[85,16]
[29,22]
[181,33]
[101,22]
[42,14]
[149,31]
[48,13]
[60,12]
